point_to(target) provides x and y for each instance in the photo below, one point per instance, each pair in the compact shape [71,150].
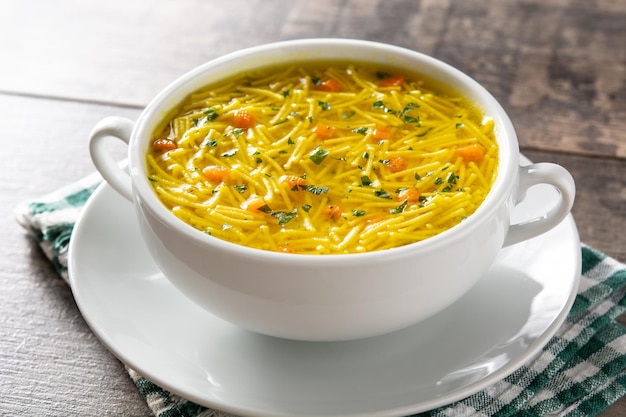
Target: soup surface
[324,159]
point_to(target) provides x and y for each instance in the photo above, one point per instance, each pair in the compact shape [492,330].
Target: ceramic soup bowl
[328,297]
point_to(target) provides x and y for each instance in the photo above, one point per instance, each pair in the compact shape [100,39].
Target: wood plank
[556,66]
[600,206]
[50,361]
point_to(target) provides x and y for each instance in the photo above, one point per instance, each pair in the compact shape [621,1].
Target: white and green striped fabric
[580,372]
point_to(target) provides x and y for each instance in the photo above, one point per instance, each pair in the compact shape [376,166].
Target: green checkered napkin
[580,372]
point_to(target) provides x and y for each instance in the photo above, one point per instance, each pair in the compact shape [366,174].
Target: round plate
[494,329]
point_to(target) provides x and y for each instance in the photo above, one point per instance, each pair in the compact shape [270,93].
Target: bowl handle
[119,128]
[542,173]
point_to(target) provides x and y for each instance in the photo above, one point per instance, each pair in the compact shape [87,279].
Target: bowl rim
[177,90]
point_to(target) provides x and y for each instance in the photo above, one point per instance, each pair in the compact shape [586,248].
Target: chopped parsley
[358,213]
[366,181]
[324,105]
[318,155]
[236,132]
[360,130]
[382,194]
[211,115]
[284,217]
[315,190]
[230,153]
[399,209]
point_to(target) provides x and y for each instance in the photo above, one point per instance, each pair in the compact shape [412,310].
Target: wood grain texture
[557,66]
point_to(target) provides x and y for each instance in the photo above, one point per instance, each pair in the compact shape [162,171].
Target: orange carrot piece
[324,132]
[396,164]
[330,85]
[286,249]
[374,219]
[392,81]
[410,195]
[471,153]
[216,173]
[253,204]
[243,119]
[332,212]
[381,133]
[163,145]
[293,181]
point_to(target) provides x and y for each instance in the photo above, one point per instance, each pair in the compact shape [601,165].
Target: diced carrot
[381,133]
[375,219]
[293,181]
[216,173]
[286,249]
[396,164]
[330,85]
[392,81]
[471,153]
[163,145]
[324,132]
[253,204]
[243,119]
[410,195]
[332,212]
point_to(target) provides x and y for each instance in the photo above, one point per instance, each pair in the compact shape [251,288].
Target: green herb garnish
[230,153]
[210,115]
[399,209]
[318,155]
[382,194]
[316,190]
[324,105]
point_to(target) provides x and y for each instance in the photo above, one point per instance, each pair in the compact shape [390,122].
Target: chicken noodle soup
[324,159]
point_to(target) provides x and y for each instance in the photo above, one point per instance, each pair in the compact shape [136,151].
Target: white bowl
[328,297]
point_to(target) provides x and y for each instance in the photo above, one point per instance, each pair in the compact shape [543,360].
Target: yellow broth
[324,159]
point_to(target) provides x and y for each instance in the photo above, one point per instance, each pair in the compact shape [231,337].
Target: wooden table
[557,66]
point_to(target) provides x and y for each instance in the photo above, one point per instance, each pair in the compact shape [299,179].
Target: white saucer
[493,330]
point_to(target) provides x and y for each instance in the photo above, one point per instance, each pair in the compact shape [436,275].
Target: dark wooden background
[557,66]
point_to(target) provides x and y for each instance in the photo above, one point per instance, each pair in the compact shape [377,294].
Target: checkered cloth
[580,372]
